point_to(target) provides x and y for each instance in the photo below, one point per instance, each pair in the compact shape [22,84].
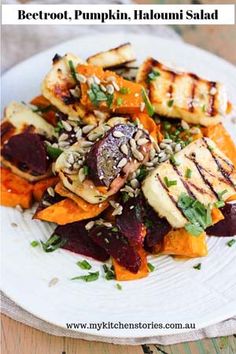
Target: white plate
[175,292]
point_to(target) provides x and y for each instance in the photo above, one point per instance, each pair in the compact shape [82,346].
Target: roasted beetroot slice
[226,227]
[104,156]
[130,222]
[78,241]
[157,228]
[117,246]
[27,150]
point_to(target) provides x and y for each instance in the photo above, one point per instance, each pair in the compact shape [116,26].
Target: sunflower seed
[134,183]
[156,146]
[213,91]
[100,115]
[53,282]
[152,153]
[117,211]
[178,147]
[184,125]
[167,141]
[63,144]
[96,80]
[127,189]
[78,134]
[110,89]
[163,158]
[66,125]
[110,78]
[195,130]
[19,208]
[86,144]
[132,143]
[90,81]
[107,224]
[81,78]
[63,136]
[168,150]
[142,141]
[76,92]
[89,225]
[122,162]
[124,149]
[138,135]
[70,158]
[81,175]
[137,155]
[155,161]
[51,191]
[87,128]
[55,145]
[148,164]
[94,136]
[117,134]
[46,203]
[103,88]
[116,86]
[142,106]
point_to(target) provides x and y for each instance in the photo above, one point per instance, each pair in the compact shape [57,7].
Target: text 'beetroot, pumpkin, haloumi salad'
[127,161]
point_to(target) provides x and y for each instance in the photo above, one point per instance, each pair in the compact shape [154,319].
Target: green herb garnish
[109,272]
[59,127]
[198,215]
[197,266]
[53,152]
[53,243]
[188,173]
[125,197]
[114,229]
[84,264]
[147,102]
[231,242]
[153,75]
[148,223]
[72,70]
[220,194]
[219,204]
[110,98]
[119,101]
[151,267]
[34,243]
[169,183]
[124,90]
[118,286]
[142,174]
[170,103]
[174,161]
[86,170]
[88,277]
[204,108]
[96,95]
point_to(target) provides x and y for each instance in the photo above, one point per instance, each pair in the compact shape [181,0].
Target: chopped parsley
[198,215]
[96,95]
[231,242]
[151,267]
[204,108]
[174,161]
[169,183]
[72,70]
[53,152]
[118,286]
[53,243]
[125,197]
[147,102]
[219,204]
[59,127]
[153,75]
[220,194]
[188,173]
[86,170]
[119,101]
[84,264]
[170,103]
[197,266]
[34,243]
[142,174]
[109,272]
[124,90]
[88,277]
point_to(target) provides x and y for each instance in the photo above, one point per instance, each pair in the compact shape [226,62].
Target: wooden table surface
[20,339]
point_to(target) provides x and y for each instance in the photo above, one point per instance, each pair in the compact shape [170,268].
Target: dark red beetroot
[130,222]
[117,246]
[105,155]
[78,241]
[157,228]
[27,150]
[226,227]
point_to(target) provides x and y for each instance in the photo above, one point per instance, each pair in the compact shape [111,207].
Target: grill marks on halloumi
[57,85]
[183,95]
[211,174]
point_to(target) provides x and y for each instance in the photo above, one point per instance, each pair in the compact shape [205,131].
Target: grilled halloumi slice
[211,174]
[18,118]
[57,85]
[183,95]
[21,116]
[85,189]
[121,55]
